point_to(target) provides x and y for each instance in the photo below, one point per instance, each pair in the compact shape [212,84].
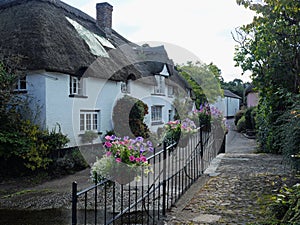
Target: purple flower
[149,143]
[139,139]
[142,149]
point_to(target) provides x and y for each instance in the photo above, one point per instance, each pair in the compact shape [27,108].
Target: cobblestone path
[238,182]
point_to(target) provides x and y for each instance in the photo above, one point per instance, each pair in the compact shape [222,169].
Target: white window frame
[160,87]
[76,86]
[125,87]
[21,84]
[89,120]
[156,114]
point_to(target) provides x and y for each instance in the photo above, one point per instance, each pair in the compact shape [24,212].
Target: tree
[269,48]
[128,118]
[201,77]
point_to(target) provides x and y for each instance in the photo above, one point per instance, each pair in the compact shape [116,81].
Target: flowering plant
[219,119]
[203,115]
[176,129]
[123,157]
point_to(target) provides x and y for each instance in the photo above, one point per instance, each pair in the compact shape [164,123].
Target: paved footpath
[235,185]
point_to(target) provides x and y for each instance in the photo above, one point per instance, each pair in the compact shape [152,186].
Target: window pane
[156,113]
[81,121]
[23,83]
[88,121]
[95,121]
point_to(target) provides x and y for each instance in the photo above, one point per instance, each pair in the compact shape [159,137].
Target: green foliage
[250,115]
[203,80]
[128,117]
[238,116]
[241,125]
[30,144]
[269,48]
[289,132]
[68,163]
[285,208]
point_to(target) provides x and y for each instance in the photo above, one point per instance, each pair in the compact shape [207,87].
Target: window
[160,87]
[21,84]
[170,115]
[156,114]
[125,87]
[89,120]
[76,86]
[170,91]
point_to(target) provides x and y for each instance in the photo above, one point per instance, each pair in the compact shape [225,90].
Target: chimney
[104,17]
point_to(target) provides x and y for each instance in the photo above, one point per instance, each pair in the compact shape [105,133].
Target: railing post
[96,182]
[74,203]
[201,149]
[222,150]
[164,178]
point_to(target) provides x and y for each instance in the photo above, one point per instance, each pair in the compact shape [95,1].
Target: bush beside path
[239,184]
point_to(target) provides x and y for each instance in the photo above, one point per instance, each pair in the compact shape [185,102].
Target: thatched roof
[38,33]
[41,35]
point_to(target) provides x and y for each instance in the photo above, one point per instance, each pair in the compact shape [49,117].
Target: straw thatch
[38,33]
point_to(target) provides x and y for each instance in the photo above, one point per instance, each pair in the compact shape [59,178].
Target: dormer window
[160,85]
[125,87]
[21,84]
[77,87]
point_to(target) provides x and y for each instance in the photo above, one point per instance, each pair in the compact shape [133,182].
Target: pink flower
[137,159]
[107,137]
[131,158]
[107,144]
[118,160]
[143,159]
[108,154]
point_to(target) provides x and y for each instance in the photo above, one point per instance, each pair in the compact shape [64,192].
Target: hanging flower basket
[124,160]
[183,141]
[123,174]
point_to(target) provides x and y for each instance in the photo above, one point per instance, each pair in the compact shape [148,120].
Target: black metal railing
[146,201]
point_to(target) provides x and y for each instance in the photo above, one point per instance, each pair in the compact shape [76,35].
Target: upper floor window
[125,87]
[160,85]
[77,87]
[89,120]
[21,84]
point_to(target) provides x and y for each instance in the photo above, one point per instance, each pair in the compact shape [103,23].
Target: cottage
[76,67]
[229,104]
[251,96]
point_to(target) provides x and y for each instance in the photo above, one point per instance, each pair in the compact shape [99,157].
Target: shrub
[241,125]
[286,206]
[238,116]
[250,114]
[128,117]
[289,133]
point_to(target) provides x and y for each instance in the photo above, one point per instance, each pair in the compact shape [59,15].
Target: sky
[191,30]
